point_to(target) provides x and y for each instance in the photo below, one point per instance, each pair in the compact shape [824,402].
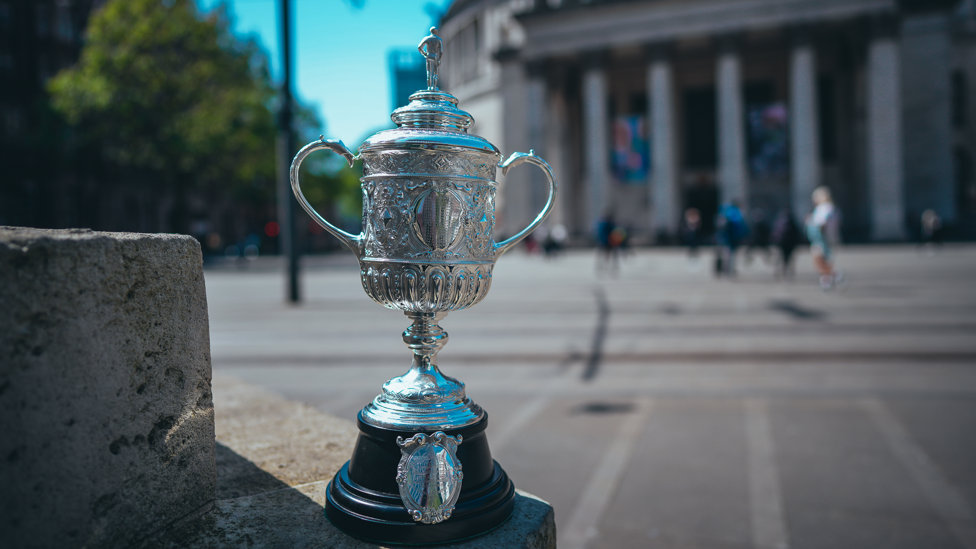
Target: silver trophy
[426,248]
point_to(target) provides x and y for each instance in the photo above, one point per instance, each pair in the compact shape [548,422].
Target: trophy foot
[364,500]
[423,398]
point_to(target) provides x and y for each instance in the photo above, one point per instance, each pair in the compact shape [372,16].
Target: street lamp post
[286,149]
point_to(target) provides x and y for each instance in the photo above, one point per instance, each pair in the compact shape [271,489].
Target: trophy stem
[425,338]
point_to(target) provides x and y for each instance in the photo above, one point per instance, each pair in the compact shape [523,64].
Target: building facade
[647,108]
[408,73]
[38,38]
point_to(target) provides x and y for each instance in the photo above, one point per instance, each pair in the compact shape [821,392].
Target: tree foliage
[178,98]
[167,91]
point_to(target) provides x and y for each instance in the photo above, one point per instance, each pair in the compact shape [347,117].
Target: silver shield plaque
[429,476]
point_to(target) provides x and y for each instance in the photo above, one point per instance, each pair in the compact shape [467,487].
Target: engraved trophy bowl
[426,248]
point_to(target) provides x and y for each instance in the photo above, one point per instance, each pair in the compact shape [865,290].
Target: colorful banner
[631,160]
[768,145]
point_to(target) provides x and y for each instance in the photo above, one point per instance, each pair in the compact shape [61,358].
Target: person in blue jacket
[730,231]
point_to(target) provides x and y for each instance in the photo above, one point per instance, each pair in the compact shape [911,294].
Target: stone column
[557,147]
[804,131]
[884,128]
[595,143]
[536,120]
[732,177]
[511,211]
[926,61]
[665,196]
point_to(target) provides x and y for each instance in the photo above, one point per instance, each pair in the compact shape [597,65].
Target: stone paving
[664,408]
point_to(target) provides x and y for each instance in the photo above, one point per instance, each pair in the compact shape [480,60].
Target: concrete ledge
[105,394]
[274,460]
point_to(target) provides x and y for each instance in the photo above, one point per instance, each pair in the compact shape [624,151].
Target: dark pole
[286,148]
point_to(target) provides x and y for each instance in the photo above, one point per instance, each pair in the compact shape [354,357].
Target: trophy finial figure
[431,47]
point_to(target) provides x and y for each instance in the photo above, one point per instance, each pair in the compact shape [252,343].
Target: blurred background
[652,402]
[161,116]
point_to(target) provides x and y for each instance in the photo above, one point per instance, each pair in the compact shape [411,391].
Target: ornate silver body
[426,246]
[428,220]
[427,243]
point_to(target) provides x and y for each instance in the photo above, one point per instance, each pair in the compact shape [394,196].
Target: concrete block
[105,396]
[275,458]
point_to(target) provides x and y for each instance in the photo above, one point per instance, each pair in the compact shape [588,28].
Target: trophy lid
[432,119]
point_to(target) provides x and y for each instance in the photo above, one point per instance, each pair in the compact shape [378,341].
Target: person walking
[553,244]
[931,231]
[730,231]
[608,243]
[821,231]
[691,234]
[785,235]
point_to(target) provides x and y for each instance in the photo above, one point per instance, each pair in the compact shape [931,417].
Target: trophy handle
[350,240]
[514,160]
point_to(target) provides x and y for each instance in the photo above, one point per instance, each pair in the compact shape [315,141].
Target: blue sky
[340,53]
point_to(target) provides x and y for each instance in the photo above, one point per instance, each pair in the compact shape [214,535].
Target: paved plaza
[664,408]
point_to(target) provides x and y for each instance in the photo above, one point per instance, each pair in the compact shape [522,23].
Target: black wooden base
[363,499]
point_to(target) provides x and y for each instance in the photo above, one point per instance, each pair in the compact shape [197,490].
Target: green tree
[180,100]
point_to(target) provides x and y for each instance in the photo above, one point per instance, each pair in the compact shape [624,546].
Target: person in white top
[821,225]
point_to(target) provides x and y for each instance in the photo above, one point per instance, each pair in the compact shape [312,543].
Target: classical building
[408,73]
[647,107]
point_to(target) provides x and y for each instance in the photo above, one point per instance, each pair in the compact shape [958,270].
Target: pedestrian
[730,231]
[931,230]
[821,232]
[619,240]
[530,243]
[608,245]
[691,224]
[785,235]
[553,244]
[533,242]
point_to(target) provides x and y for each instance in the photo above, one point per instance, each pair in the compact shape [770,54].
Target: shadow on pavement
[599,336]
[796,311]
[599,408]
[239,477]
